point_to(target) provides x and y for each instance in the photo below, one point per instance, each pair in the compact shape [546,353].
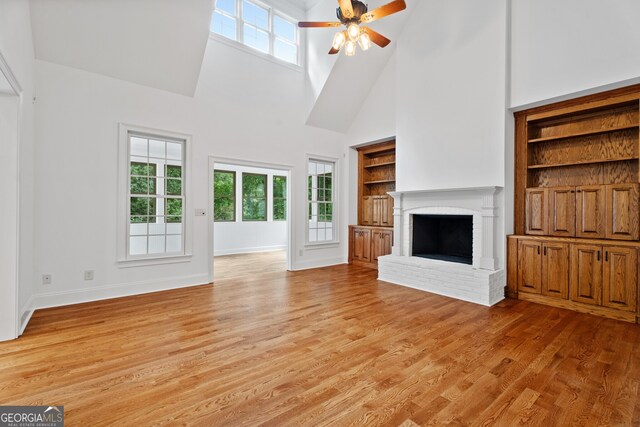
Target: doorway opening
[251,218]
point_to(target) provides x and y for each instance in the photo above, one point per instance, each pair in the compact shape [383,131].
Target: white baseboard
[250,250]
[309,265]
[25,314]
[79,296]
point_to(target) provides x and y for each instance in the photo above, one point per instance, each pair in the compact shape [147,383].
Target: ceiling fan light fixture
[338,40]
[353,30]
[364,41]
[350,48]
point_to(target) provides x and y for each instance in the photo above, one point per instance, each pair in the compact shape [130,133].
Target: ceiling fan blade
[386,10]
[333,51]
[347,8]
[376,37]
[318,24]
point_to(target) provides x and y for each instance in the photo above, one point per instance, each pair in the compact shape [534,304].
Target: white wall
[244,108]
[16,46]
[250,236]
[569,46]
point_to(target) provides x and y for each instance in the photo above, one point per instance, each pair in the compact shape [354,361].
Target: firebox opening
[443,237]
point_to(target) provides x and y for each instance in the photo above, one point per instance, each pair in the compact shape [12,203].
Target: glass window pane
[174,150]
[174,243]
[138,146]
[138,229]
[279,186]
[224,25]
[174,187]
[256,38]
[174,228]
[254,209]
[224,184]
[253,185]
[173,171]
[255,15]
[228,6]
[156,244]
[285,51]
[157,228]
[138,245]
[285,29]
[279,209]
[157,149]
[173,207]
[173,219]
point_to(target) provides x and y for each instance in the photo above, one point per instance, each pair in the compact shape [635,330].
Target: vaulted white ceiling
[157,43]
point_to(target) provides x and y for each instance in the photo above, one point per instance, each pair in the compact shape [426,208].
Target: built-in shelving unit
[373,235]
[577,205]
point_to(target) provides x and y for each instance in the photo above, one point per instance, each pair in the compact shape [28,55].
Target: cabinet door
[530,266]
[622,211]
[361,245]
[555,270]
[381,243]
[377,207]
[586,274]
[536,214]
[367,210]
[562,211]
[620,278]
[590,211]
[386,211]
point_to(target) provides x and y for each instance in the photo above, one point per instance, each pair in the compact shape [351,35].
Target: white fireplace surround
[481,282]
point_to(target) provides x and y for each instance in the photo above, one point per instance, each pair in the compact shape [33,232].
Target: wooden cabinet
[620,278]
[555,270]
[367,215]
[386,211]
[367,244]
[537,212]
[530,266]
[562,211]
[543,268]
[622,211]
[361,244]
[590,211]
[381,243]
[586,274]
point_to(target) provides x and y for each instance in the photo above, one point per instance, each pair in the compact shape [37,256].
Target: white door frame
[250,163]
[12,331]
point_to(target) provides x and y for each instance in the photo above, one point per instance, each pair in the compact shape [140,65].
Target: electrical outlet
[88,275]
[47,279]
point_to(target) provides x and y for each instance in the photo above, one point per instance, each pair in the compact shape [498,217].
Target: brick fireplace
[437,257]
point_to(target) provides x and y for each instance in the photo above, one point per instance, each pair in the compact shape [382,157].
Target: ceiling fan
[351,14]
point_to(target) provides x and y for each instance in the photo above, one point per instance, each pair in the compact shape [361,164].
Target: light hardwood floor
[323,347]
[241,265]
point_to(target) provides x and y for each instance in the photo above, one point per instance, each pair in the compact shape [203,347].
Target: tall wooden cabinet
[577,205]
[376,178]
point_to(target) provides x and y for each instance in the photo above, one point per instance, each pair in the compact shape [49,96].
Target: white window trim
[336,208]
[269,56]
[123,259]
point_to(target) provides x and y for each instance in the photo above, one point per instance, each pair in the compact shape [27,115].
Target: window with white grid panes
[321,201]
[156,196]
[258,26]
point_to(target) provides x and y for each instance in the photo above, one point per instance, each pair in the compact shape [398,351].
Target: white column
[488,259]
[398,226]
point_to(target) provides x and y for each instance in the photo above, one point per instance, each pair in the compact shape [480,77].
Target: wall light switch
[201,212]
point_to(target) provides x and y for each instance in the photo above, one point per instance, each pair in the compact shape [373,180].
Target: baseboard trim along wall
[79,296]
[319,263]
[250,250]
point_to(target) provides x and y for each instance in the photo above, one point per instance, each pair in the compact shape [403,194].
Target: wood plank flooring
[323,347]
[241,265]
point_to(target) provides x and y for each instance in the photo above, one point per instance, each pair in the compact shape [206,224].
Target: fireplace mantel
[481,282]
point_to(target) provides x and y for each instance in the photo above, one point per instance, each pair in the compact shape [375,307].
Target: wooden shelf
[586,133]
[582,162]
[382,181]
[379,165]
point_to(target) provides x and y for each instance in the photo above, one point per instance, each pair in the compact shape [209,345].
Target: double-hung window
[258,26]
[155,195]
[321,224]
[279,198]
[224,196]
[254,197]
